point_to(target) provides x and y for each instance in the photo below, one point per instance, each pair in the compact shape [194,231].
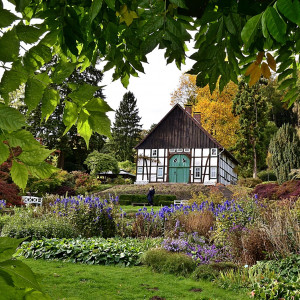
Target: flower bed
[101,251]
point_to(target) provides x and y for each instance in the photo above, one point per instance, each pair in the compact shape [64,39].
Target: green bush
[126,252]
[158,199]
[267,176]
[125,202]
[167,262]
[249,182]
[211,271]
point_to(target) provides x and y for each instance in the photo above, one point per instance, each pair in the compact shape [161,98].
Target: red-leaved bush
[273,191]
[10,193]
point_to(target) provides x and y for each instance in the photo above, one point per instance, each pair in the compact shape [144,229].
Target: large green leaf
[110,4]
[34,90]
[22,276]
[250,30]
[290,9]
[35,156]
[70,115]
[98,104]
[50,100]
[84,93]
[180,3]
[83,126]
[276,25]
[100,123]
[36,57]
[12,79]
[28,34]
[9,46]
[23,139]
[19,174]
[6,18]
[151,42]
[152,25]
[4,152]
[8,247]
[10,118]
[95,8]
[62,71]
[41,170]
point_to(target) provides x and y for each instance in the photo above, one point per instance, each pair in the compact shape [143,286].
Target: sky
[152,89]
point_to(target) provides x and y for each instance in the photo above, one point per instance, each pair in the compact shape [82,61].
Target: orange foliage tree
[216,108]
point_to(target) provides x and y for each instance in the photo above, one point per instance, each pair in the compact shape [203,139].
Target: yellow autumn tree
[215,108]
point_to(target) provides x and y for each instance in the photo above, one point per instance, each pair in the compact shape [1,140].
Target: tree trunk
[254,161]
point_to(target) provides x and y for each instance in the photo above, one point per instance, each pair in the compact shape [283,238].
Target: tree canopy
[232,37]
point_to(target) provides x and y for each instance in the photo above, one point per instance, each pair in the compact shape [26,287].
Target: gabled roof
[178,129]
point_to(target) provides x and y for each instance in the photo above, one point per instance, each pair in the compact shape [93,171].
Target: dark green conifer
[126,128]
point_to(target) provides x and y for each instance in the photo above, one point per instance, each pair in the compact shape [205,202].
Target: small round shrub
[167,262]
[10,193]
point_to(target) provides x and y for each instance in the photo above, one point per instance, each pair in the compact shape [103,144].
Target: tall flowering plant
[196,247]
[90,215]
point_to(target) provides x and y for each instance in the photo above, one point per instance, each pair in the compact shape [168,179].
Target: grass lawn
[77,281]
[131,209]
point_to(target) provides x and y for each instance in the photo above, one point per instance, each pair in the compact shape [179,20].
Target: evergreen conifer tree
[252,109]
[126,128]
[285,152]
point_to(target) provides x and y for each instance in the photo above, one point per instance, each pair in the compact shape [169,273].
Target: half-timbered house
[179,149]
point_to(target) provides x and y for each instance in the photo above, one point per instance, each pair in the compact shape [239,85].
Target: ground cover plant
[125,252]
[111,282]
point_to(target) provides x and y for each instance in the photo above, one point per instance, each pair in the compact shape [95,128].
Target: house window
[187,150]
[139,170]
[213,172]
[160,172]
[213,151]
[172,150]
[197,172]
[180,150]
[154,152]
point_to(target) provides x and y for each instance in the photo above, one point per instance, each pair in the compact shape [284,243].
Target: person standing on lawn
[150,195]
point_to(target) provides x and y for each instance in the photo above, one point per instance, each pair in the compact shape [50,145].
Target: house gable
[178,130]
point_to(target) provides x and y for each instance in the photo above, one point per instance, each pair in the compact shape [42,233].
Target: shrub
[266,191]
[10,193]
[212,270]
[166,262]
[65,191]
[249,182]
[267,176]
[3,220]
[273,191]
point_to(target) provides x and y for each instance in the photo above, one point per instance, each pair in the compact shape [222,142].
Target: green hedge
[158,199]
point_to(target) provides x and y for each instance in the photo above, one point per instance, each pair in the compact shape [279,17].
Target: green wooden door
[179,168]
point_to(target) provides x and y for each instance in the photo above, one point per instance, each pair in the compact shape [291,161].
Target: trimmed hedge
[158,199]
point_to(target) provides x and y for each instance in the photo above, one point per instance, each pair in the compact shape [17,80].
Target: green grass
[131,209]
[76,281]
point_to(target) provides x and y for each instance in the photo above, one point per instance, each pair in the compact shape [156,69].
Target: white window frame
[139,170]
[154,152]
[197,170]
[187,150]
[160,172]
[211,175]
[214,150]
[179,150]
[172,150]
